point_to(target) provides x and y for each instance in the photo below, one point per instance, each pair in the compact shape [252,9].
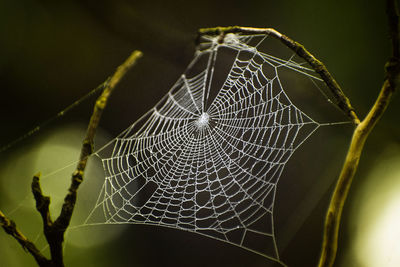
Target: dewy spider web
[208,161]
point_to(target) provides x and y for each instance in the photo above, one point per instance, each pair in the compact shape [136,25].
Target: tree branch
[363,128]
[342,101]
[392,68]
[87,148]
[10,228]
[54,231]
[392,12]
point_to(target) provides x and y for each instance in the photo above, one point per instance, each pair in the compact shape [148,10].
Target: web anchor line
[60,114]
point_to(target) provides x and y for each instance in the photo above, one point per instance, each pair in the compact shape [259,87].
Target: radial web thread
[207,158]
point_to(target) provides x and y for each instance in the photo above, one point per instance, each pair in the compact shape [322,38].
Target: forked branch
[390,84]
[54,230]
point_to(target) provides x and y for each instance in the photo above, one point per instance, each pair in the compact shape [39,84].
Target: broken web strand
[177,124]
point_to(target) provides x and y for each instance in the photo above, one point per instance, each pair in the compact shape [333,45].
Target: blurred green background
[53,53]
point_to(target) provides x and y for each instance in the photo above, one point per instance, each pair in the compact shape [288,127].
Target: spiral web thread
[208,161]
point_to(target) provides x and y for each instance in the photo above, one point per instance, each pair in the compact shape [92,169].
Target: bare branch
[62,222]
[42,202]
[54,231]
[87,148]
[342,101]
[11,229]
[392,12]
[332,220]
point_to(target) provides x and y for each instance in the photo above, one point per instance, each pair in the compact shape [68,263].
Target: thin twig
[10,228]
[332,220]
[87,147]
[54,231]
[342,101]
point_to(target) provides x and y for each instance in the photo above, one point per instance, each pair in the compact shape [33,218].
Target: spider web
[208,160]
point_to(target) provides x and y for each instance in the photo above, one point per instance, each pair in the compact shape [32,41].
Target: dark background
[53,53]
